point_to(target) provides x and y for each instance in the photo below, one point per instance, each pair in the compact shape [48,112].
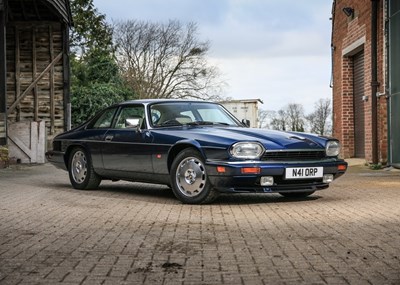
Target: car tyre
[81,172]
[189,180]
[297,194]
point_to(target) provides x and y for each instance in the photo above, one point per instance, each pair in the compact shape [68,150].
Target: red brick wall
[346,31]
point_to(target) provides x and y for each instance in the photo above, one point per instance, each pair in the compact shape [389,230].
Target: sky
[277,51]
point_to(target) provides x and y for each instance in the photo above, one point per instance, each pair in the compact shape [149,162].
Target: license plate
[304,172]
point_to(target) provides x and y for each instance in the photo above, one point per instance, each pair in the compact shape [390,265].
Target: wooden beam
[23,10]
[34,70]
[3,78]
[10,14]
[51,78]
[56,59]
[3,64]
[17,71]
[66,79]
[37,10]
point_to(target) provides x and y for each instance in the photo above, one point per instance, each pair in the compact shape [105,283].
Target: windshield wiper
[198,123]
[170,123]
[206,123]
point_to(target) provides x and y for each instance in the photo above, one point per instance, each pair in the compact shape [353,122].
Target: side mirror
[246,123]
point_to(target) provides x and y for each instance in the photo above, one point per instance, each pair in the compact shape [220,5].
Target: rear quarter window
[104,120]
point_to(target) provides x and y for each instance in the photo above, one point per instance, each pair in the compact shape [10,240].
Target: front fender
[181,145]
[208,152]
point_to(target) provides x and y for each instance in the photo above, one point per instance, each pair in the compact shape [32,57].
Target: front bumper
[233,180]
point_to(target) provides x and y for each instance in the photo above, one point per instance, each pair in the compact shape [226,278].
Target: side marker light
[251,170]
[221,169]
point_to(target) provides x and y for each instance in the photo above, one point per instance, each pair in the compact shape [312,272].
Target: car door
[93,135]
[127,147]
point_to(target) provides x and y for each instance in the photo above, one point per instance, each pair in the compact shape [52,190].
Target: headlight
[332,148]
[247,150]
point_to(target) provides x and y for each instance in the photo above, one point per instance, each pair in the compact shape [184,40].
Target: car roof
[148,101]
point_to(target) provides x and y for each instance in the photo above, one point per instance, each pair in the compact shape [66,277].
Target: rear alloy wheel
[296,194]
[81,173]
[189,179]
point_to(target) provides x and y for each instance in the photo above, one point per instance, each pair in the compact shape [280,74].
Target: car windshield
[193,113]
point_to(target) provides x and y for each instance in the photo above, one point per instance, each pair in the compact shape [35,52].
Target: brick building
[366,99]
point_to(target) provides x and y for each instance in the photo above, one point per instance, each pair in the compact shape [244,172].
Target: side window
[105,120]
[130,117]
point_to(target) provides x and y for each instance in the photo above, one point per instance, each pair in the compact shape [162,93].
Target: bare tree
[279,120]
[290,118]
[165,60]
[319,120]
[263,118]
[295,117]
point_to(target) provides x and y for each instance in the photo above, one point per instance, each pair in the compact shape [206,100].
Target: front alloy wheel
[189,178]
[81,173]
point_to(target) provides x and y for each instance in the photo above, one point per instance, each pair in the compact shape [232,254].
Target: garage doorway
[394,83]
[359,118]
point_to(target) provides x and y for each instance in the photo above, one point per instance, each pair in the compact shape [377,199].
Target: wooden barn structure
[34,64]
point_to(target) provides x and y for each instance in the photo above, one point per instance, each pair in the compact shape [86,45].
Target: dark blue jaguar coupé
[197,148]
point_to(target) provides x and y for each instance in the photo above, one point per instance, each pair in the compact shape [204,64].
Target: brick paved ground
[127,233]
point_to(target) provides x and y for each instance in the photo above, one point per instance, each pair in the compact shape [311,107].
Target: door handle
[109,138]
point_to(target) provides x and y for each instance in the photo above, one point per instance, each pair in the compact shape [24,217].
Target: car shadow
[255,198]
[162,194]
[112,190]
[141,191]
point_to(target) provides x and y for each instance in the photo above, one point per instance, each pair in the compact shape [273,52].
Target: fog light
[267,181]
[328,178]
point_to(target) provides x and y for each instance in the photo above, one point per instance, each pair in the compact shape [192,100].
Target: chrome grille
[293,155]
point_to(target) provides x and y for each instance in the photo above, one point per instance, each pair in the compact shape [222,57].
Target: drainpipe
[374,79]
